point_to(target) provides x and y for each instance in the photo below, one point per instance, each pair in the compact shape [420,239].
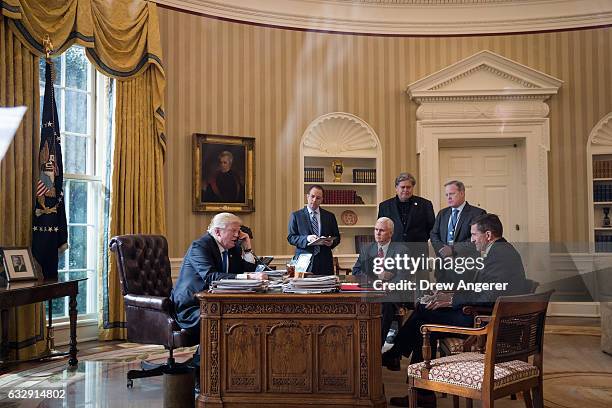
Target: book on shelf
[314,174]
[364,175]
[339,197]
[602,192]
[603,243]
[602,168]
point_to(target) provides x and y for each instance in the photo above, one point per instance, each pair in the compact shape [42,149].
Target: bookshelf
[601,199]
[344,137]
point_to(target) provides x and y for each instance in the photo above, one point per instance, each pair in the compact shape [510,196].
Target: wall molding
[408,17]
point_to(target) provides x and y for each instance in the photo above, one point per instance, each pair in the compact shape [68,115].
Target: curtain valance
[121,37]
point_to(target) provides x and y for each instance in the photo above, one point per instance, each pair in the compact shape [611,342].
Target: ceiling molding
[409,17]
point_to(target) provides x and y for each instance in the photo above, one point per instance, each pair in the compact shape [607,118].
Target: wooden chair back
[517,331]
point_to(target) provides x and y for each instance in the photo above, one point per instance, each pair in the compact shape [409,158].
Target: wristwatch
[246,251]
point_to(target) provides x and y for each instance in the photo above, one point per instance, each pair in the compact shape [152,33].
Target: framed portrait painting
[223,173]
[18,264]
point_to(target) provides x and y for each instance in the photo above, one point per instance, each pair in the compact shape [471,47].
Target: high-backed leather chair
[146,283]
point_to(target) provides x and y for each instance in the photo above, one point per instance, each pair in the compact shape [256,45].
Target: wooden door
[493,178]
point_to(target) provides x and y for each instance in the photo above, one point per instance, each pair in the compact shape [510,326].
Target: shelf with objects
[599,166]
[601,196]
[341,153]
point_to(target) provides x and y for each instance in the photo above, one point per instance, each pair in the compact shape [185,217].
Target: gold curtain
[137,202]
[19,86]
[121,38]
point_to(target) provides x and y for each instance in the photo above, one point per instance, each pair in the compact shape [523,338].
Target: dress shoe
[423,401]
[390,361]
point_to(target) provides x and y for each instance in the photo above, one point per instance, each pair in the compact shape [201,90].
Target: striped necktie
[315,230]
[450,238]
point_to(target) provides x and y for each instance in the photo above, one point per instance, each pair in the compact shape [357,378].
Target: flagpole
[50,351]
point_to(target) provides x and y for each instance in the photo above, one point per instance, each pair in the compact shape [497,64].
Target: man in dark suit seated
[364,267]
[310,223]
[211,257]
[413,216]
[501,264]
[450,235]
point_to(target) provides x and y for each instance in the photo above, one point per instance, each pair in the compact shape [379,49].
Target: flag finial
[48,46]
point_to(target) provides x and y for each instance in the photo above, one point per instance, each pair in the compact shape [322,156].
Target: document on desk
[319,284]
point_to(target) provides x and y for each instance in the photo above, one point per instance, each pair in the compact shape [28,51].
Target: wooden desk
[26,292]
[289,350]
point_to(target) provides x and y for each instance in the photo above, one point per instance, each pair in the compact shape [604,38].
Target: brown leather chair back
[144,266]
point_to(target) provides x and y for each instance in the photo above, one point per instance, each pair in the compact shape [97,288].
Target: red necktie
[381,253]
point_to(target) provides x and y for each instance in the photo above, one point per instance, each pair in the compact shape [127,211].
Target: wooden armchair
[514,333]
[453,345]
[339,270]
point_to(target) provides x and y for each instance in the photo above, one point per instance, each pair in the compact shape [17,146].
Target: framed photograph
[223,173]
[18,264]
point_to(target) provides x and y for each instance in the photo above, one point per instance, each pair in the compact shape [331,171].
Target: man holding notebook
[313,230]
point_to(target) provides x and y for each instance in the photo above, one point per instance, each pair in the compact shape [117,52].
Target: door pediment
[484,75]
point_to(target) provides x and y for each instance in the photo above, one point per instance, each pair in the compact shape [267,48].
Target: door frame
[535,136]
[517,182]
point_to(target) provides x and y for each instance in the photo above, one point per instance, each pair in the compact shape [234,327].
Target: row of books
[314,174]
[603,243]
[602,192]
[317,175]
[364,175]
[362,241]
[339,197]
[602,169]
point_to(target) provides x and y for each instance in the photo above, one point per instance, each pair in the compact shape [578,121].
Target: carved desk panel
[270,350]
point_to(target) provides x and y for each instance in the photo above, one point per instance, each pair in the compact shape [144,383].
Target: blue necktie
[225,261]
[315,230]
[450,237]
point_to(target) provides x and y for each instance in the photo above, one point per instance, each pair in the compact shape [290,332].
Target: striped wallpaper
[270,83]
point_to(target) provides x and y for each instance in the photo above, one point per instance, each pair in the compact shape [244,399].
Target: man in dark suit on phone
[224,252]
[310,223]
[413,216]
[450,235]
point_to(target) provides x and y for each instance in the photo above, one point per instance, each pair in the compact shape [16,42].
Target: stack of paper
[276,275]
[238,285]
[319,284]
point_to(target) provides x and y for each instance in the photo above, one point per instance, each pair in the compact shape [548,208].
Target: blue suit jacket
[300,228]
[202,265]
[462,245]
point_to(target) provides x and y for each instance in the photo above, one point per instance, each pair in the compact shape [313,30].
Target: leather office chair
[146,283]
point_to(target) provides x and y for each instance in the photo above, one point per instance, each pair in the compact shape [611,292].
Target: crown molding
[409,17]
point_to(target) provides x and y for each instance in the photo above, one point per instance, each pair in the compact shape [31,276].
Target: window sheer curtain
[121,38]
